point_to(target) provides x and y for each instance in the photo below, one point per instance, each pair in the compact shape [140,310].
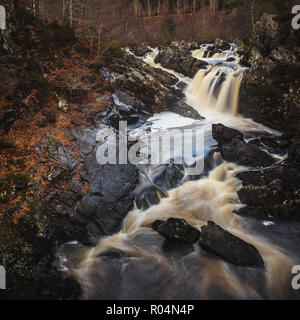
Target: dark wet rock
[224,134]
[125,108]
[266,31]
[185,110]
[244,63]
[230,59]
[282,54]
[220,242]
[150,90]
[140,49]
[271,193]
[294,150]
[222,44]
[181,85]
[163,177]
[176,229]
[180,61]
[245,154]
[147,193]
[110,197]
[152,87]
[276,145]
[233,148]
[262,196]
[271,89]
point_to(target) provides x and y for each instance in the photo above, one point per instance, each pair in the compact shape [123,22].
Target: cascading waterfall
[218,87]
[132,264]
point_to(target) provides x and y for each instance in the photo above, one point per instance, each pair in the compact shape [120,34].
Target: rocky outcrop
[271,92]
[154,88]
[180,61]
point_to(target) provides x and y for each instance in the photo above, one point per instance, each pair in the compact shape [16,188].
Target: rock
[63,105]
[244,63]
[245,154]
[255,56]
[180,61]
[270,193]
[262,196]
[176,229]
[140,49]
[234,149]
[125,108]
[281,54]
[230,59]
[185,110]
[220,242]
[109,198]
[222,44]
[224,134]
[294,150]
[266,31]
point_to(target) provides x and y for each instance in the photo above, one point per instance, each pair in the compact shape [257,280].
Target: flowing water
[135,263]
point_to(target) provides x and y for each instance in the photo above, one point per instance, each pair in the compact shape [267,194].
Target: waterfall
[217,87]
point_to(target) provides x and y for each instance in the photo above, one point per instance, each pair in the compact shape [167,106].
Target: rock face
[176,229]
[233,148]
[271,193]
[109,199]
[270,93]
[220,242]
[153,88]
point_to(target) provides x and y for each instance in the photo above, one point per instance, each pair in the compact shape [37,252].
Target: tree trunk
[252,18]
[149,7]
[71,13]
[99,38]
[63,10]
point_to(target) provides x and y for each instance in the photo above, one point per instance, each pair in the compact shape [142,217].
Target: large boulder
[220,242]
[176,229]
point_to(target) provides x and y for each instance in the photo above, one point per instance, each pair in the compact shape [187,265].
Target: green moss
[16,254]
[35,220]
